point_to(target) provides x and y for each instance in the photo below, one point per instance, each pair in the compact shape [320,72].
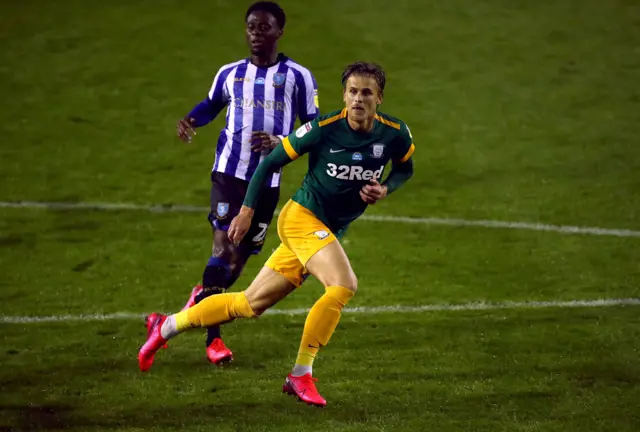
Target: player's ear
[378,96]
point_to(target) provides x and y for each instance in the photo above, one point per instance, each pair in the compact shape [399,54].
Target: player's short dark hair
[271,8]
[367,69]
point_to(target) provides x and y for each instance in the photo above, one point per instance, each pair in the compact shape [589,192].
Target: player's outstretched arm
[201,115]
[207,110]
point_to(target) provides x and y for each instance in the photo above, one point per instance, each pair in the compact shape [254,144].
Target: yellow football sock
[215,309]
[321,322]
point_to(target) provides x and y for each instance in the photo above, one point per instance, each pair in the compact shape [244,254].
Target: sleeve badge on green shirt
[302,130]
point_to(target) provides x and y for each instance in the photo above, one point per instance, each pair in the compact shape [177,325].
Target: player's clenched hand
[185,129]
[263,141]
[240,225]
[372,192]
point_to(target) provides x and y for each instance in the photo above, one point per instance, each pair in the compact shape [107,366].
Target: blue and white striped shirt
[258,99]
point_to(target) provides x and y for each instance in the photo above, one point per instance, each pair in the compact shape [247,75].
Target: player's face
[361,97]
[262,33]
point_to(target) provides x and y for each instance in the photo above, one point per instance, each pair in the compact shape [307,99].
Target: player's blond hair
[367,69]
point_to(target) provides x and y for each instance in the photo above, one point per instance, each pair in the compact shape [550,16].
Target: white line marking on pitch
[565,229]
[482,306]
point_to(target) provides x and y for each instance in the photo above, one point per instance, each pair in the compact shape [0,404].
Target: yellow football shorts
[302,235]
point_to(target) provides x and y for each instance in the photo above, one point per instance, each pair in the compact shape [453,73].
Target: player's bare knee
[352,283]
[254,301]
[258,304]
[258,310]
[222,251]
[267,289]
[258,300]
[222,246]
[349,282]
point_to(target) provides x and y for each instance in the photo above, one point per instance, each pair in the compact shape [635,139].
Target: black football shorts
[227,195]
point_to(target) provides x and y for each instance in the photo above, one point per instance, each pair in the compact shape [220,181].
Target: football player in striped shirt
[265,92]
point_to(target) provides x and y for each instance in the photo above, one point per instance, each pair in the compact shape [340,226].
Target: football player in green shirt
[348,151]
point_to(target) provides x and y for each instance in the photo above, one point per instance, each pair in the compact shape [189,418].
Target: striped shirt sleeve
[219,94]
[216,100]
[307,96]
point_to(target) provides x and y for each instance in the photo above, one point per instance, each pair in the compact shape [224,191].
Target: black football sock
[215,280]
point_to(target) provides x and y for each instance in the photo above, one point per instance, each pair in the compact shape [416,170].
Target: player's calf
[216,279]
[216,274]
[321,322]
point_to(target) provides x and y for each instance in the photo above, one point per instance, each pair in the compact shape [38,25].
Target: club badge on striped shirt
[279,79]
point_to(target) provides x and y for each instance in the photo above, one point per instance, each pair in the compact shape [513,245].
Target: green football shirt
[342,161]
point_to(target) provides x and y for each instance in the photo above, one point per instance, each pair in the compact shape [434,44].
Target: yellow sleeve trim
[387,122]
[335,118]
[409,153]
[293,155]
